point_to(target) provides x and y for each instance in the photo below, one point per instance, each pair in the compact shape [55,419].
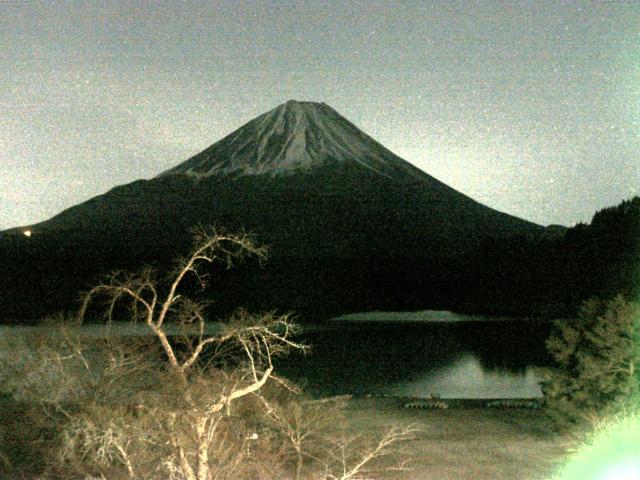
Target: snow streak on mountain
[296,137]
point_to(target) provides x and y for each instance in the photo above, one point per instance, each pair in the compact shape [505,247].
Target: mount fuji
[349,225]
[296,137]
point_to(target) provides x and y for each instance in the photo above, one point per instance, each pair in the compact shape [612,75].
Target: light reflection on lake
[451,358]
[467,378]
[460,359]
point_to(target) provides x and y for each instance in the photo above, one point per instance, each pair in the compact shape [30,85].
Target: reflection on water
[467,378]
[461,359]
[451,360]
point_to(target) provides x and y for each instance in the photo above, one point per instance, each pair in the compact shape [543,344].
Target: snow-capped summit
[295,136]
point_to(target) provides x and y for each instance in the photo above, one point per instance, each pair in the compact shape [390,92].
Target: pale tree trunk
[186,468]
[204,472]
[299,461]
[126,461]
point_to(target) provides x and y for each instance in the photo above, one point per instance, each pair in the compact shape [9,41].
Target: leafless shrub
[357,458]
[203,405]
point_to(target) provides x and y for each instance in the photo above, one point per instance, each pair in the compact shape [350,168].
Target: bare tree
[317,434]
[352,459]
[60,379]
[188,402]
[260,338]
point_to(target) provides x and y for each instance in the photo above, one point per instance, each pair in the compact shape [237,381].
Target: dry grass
[459,443]
[467,443]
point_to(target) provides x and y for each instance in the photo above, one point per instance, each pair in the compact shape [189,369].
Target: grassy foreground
[467,443]
[457,443]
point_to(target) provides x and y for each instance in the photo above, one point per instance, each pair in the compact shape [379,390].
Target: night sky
[532,108]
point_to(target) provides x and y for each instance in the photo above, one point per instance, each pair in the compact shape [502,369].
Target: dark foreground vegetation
[597,363]
[593,390]
[191,406]
[200,406]
[197,406]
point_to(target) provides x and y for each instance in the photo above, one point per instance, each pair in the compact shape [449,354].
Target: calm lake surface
[461,359]
[406,355]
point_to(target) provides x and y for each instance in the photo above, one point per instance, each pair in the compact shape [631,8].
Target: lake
[466,359]
[409,355]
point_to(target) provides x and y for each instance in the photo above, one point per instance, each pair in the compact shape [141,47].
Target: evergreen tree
[597,358]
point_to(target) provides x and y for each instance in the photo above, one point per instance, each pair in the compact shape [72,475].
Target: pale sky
[532,108]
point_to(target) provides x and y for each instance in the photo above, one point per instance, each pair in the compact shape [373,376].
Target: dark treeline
[553,274]
[547,275]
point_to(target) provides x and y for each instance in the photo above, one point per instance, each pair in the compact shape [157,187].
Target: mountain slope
[303,178]
[349,224]
[293,137]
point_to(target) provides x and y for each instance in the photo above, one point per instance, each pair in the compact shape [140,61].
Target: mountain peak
[295,136]
[301,104]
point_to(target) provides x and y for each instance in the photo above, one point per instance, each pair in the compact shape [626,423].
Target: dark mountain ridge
[303,158]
